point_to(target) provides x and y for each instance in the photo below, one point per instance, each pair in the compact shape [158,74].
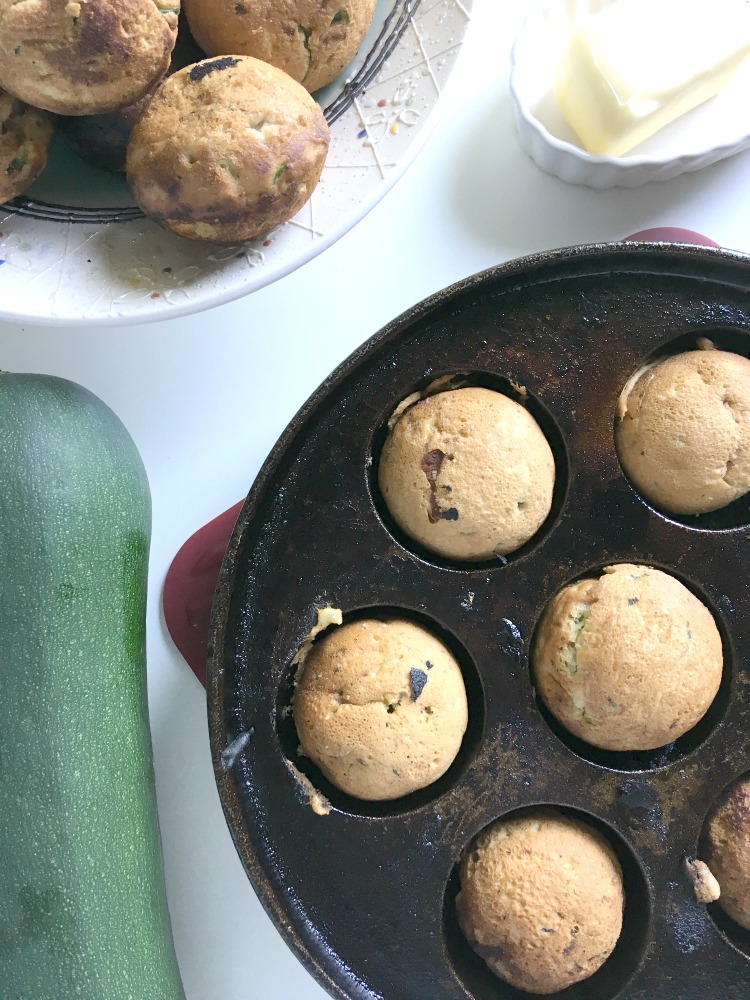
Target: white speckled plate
[76,251]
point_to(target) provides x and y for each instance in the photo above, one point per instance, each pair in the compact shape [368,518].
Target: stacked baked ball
[221,148]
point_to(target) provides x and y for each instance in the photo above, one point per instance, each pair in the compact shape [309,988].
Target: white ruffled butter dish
[716,129]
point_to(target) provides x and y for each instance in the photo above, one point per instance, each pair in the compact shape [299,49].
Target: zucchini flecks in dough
[576,624]
[588,718]
[19,161]
[306,33]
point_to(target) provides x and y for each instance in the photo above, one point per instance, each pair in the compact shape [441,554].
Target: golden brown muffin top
[630,660]
[83,56]
[468,474]
[541,900]
[726,849]
[25,138]
[227,149]
[683,431]
[380,706]
[311,40]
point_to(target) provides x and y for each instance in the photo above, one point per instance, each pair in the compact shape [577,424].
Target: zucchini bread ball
[541,900]
[227,149]
[380,707]
[630,660]
[725,847]
[683,431]
[25,138]
[81,57]
[311,40]
[468,474]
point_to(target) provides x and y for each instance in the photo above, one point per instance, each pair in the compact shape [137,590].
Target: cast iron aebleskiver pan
[365,894]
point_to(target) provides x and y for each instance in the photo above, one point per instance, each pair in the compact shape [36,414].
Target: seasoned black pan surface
[365,895]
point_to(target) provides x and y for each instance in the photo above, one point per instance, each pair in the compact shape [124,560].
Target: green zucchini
[83,910]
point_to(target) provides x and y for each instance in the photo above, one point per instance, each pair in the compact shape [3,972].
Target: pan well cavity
[703,451]
[421,506]
[407,704]
[565,621]
[481,983]
[723,848]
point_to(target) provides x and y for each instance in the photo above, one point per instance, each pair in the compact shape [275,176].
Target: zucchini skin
[83,912]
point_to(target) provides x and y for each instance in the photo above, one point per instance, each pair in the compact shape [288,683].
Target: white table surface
[205,399]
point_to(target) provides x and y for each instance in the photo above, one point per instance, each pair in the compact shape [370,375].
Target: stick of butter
[637,65]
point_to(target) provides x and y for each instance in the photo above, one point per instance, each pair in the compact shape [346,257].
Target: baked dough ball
[380,707]
[311,40]
[628,661]
[79,57]
[227,149]
[25,138]
[541,900]
[683,431]
[725,847]
[468,474]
